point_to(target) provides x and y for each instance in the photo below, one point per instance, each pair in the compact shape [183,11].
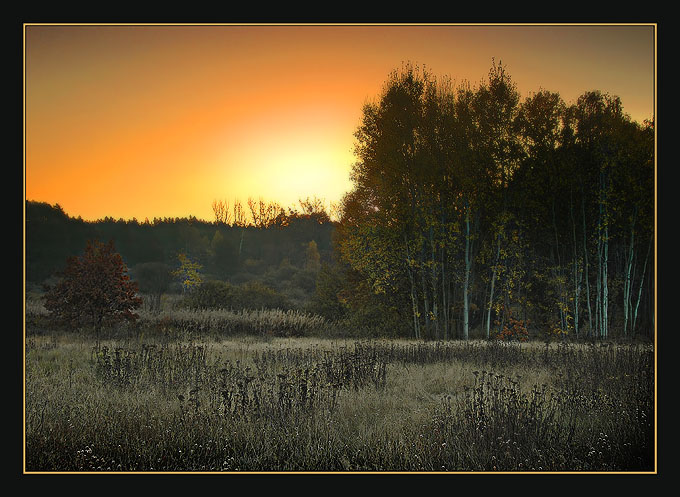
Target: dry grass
[312,404]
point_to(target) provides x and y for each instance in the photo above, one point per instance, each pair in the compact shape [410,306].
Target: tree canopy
[471,207]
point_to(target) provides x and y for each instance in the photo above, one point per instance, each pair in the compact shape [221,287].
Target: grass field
[244,403]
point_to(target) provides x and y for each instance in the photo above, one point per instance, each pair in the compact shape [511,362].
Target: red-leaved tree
[94,288]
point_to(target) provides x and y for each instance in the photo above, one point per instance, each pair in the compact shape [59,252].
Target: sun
[283,157]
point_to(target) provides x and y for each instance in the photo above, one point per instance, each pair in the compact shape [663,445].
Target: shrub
[257,295]
[252,295]
[212,294]
[514,330]
[325,301]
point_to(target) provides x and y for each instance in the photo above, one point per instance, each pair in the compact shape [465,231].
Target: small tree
[188,273]
[312,256]
[94,288]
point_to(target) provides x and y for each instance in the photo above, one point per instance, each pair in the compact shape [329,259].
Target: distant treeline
[237,253]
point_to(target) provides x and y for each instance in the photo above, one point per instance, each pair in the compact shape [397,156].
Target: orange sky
[159,121]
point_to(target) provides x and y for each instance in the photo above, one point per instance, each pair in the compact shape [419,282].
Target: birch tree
[500,154]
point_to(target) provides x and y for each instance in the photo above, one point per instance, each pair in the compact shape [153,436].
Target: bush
[329,285]
[257,295]
[305,279]
[212,294]
[251,295]
[514,329]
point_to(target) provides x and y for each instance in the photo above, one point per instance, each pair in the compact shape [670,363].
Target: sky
[154,121]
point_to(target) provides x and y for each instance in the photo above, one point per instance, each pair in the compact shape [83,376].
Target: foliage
[221,249]
[51,238]
[188,273]
[470,198]
[313,259]
[94,288]
[212,294]
[514,329]
[256,295]
[329,285]
[252,295]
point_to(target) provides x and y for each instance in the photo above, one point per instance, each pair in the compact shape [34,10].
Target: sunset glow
[150,121]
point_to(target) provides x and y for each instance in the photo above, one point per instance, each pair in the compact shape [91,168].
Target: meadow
[202,392]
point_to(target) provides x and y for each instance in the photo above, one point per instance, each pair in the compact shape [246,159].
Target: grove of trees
[473,208]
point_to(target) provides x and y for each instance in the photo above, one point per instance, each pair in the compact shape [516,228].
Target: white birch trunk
[627,282]
[642,280]
[585,265]
[493,282]
[577,283]
[414,297]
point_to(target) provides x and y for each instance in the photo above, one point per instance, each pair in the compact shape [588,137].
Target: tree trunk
[642,280]
[627,286]
[558,273]
[434,283]
[493,282]
[414,295]
[466,281]
[577,284]
[605,285]
[605,262]
[426,302]
[445,296]
[585,265]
